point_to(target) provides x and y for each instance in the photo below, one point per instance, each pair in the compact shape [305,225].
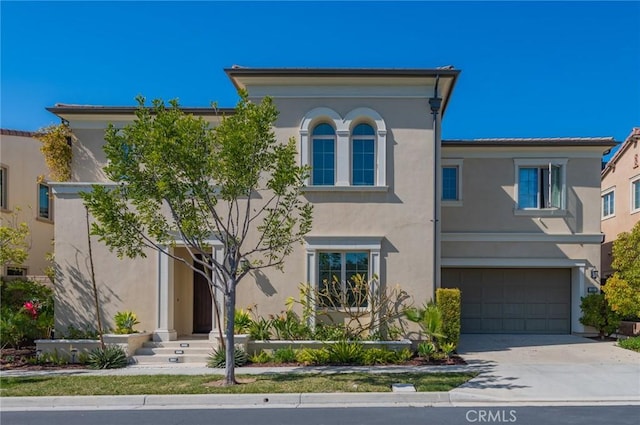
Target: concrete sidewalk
[513,370]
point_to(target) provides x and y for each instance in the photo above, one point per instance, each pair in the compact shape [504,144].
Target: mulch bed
[20,359]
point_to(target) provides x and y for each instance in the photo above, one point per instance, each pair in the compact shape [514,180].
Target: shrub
[623,296]
[14,326]
[375,356]
[597,313]
[55,358]
[313,356]
[345,352]
[284,355]
[426,350]
[288,326]
[429,318]
[447,349]
[26,313]
[218,358]
[403,355]
[260,329]
[111,357]
[331,332]
[622,290]
[125,321]
[242,322]
[448,301]
[76,333]
[630,343]
[260,357]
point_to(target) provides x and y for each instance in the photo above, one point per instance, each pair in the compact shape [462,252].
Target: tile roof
[533,141]
[7,132]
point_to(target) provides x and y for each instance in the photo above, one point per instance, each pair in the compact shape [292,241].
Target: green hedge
[448,301]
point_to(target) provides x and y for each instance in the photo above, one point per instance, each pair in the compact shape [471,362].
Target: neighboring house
[506,220]
[620,196]
[25,192]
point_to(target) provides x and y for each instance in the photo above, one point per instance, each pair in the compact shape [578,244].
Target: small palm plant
[447,349]
[430,320]
[125,321]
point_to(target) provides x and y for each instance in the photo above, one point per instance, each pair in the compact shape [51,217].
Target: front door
[201,303]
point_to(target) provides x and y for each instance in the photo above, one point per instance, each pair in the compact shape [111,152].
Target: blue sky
[529,69]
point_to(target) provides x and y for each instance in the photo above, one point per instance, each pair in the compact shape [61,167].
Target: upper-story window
[44,202]
[3,188]
[609,203]
[344,153]
[635,195]
[451,182]
[363,155]
[323,163]
[540,184]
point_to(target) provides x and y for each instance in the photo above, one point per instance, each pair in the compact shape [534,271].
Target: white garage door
[536,301]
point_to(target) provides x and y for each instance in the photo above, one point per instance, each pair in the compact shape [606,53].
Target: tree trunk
[230,306]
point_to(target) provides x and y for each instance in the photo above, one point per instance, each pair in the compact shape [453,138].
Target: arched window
[323,155]
[363,155]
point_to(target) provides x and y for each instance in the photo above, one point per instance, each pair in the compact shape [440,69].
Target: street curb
[285,400]
[226,400]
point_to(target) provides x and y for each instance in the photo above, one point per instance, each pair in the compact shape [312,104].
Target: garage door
[536,301]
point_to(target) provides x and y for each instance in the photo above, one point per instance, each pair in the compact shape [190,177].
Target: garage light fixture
[594,273]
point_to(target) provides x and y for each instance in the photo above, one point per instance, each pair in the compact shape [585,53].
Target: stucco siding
[489,200]
[619,178]
[123,284]
[25,165]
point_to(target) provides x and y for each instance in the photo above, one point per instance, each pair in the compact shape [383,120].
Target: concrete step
[168,352]
[188,351]
[168,359]
[198,343]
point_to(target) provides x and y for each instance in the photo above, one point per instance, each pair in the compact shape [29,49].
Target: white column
[577,291]
[381,156]
[165,330]
[304,151]
[343,158]
[311,279]
[374,278]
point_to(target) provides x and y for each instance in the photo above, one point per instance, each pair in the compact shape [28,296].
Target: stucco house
[620,195]
[509,221]
[25,196]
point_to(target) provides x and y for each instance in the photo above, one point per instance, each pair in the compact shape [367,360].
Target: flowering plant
[32,308]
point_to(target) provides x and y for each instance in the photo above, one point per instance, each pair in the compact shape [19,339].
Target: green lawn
[209,384]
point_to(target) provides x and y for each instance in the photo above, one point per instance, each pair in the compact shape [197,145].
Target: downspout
[435,103]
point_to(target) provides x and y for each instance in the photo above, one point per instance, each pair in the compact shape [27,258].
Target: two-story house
[507,221]
[25,197]
[620,195]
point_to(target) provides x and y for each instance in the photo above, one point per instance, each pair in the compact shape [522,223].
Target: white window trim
[451,162]
[633,180]
[602,195]
[316,244]
[540,162]
[343,143]
[50,215]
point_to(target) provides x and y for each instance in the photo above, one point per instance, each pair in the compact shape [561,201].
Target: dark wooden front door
[201,304]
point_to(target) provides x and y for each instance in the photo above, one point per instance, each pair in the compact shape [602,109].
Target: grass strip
[210,384]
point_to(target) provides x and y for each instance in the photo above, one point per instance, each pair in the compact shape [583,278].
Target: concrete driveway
[548,368]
